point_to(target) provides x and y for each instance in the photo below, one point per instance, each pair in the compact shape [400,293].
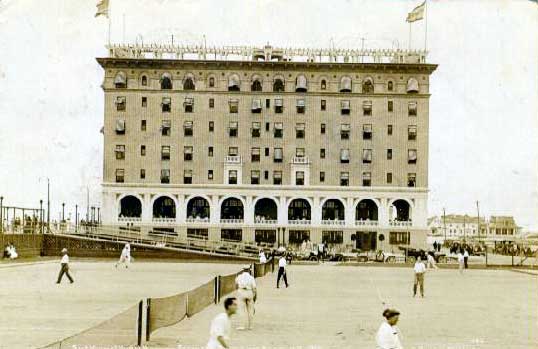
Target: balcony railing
[400,223]
[300,160]
[129,219]
[231,221]
[163,220]
[299,221]
[366,223]
[336,222]
[266,222]
[197,220]
[233,159]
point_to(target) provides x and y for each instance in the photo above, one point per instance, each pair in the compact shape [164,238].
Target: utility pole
[63,211]
[76,218]
[41,216]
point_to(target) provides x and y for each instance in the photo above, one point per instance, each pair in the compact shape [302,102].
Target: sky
[483,108]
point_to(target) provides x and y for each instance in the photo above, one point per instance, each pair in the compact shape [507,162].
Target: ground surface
[326,306]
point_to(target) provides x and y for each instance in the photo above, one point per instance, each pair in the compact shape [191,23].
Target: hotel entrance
[366,240]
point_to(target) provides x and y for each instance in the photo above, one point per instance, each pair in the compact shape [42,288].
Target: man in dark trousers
[281,271]
[65,267]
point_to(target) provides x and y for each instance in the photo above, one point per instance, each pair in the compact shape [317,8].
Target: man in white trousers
[125,257]
[247,295]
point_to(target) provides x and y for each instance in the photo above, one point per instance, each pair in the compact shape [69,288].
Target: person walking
[388,335]
[263,259]
[461,261]
[281,272]
[419,269]
[431,261]
[221,326]
[64,267]
[435,245]
[247,294]
[125,257]
[466,258]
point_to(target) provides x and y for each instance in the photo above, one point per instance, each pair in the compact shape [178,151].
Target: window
[277,177]
[412,85]
[279,105]
[278,131]
[166,104]
[233,151]
[389,130]
[345,108]
[399,238]
[210,152]
[367,108]
[166,82]
[120,152]
[412,133]
[165,152]
[265,236]
[234,83]
[299,130]
[188,84]
[299,178]
[412,156]
[300,152]
[389,154]
[255,177]
[332,237]
[165,176]
[390,106]
[120,175]
[300,106]
[187,177]
[144,102]
[211,126]
[256,86]
[323,104]
[412,108]
[201,234]
[142,150]
[345,84]
[144,80]
[233,129]
[323,129]
[187,129]
[120,81]
[344,156]
[211,82]
[187,153]
[267,103]
[367,131]
[211,103]
[323,84]
[267,126]
[298,236]
[255,155]
[322,153]
[278,85]
[142,174]
[256,107]
[232,177]
[411,179]
[390,86]
[266,151]
[368,86]
[121,103]
[345,131]
[255,131]
[210,175]
[143,125]
[266,175]
[322,177]
[300,84]
[344,179]
[166,128]
[366,179]
[231,234]
[367,156]
[188,104]
[120,126]
[278,155]
[389,178]
[234,106]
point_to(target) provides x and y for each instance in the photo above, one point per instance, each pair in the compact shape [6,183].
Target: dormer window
[120,81]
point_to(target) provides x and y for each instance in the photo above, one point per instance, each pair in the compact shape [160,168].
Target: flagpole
[426,25]
[109,15]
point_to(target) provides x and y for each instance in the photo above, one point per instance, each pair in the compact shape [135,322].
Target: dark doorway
[366,240]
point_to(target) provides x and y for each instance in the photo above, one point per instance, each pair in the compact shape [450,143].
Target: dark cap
[388,313]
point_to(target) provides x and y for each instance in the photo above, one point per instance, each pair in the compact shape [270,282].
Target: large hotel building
[267,145]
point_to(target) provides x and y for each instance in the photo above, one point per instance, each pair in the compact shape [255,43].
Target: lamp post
[1,215]
[63,211]
[98,215]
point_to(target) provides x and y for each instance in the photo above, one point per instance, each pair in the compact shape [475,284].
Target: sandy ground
[329,306]
[36,311]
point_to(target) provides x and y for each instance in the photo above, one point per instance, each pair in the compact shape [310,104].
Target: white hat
[246,266]
[64,250]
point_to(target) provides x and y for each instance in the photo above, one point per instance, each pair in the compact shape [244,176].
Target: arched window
[166,82]
[211,82]
[412,86]
[390,86]
[256,85]
[368,85]
[301,84]
[120,81]
[323,84]
[144,80]
[345,84]
[234,83]
[188,84]
[278,85]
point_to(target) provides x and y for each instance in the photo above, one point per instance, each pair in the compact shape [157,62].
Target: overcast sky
[483,109]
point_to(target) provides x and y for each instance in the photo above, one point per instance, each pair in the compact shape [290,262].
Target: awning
[255,151]
[120,78]
[120,125]
[412,130]
[189,101]
[345,84]
[187,124]
[187,150]
[278,126]
[301,82]
[166,76]
[367,154]
[256,104]
[120,148]
[412,85]
[255,174]
[412,154]
[300,103]
[344,154]
[300,127]
[256,125]
[299,174]
[413,106]
[121,100]
[233,124]
[278,102]
[366,175]
[277,174]
[165,149]
[278,153]
[233,101]
[345,127]
[233,81]
[367,128]
[345,105]
[344,175]
[367,105]
[300,152]
[187,173]
[233,151]
[167,100]
[167,124]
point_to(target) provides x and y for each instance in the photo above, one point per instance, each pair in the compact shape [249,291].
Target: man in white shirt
[247,294]
[431,261]
[388,335]
[221,326]
[461,261]
[281,271]
[419,269]
[321,253]
[466,258]
[263,259]
[65,267]
[125,257]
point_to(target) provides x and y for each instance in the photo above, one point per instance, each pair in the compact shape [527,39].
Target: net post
[148,322]
[139,329]
[216,289]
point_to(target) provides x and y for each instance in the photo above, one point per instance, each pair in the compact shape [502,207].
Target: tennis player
[388,335]
[247,294]
[221,326]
